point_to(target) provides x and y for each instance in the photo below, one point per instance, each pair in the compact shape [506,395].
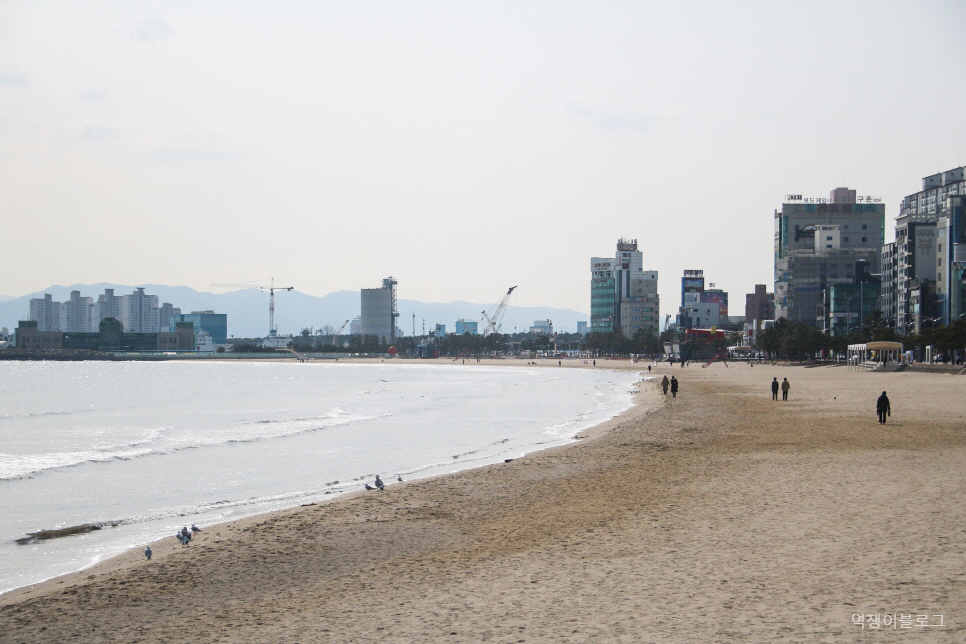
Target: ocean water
[147,448]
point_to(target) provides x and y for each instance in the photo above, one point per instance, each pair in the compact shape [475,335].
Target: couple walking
[785,386]
[672,383]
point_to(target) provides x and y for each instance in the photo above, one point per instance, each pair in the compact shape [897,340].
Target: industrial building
[467,326]
[379,311]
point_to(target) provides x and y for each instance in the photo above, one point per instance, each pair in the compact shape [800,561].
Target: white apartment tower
[46,313]
[140,313]
[77,313]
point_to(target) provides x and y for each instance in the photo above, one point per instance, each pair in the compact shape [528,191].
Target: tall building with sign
[623,296]
[817,243]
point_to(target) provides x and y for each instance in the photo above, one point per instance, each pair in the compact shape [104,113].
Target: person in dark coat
[674,387]
[774,389]
[883,408]
[665,383]
[785,387]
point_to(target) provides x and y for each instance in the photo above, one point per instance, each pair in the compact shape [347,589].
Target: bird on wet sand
[399,478]
[195,528]
[369,487]
[147,553]
[379,483]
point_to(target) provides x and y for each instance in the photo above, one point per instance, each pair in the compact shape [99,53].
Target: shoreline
[718,515]
[131,556]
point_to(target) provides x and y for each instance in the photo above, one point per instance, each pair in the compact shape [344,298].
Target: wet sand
[716,516]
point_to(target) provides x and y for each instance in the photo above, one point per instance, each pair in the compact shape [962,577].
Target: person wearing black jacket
[883,408]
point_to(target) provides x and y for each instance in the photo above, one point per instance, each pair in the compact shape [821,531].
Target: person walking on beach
[774,389]
[674,387]
[665,383]
[785,388]
[883,408]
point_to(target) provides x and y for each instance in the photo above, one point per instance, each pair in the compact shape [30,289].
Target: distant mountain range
[247,309]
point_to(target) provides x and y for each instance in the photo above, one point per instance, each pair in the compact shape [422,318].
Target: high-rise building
[467,326]
[603,294]
[108,306]
[78,313]
[817,244]
[166,316]
[379,311]
[140,312]
[759,305]
[950,299]
[916,259]
[623,296]
[46,313]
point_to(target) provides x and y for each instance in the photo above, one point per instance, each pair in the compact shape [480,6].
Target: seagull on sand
[379,483]
[195,528]
[147,553]
[399,478]
[369,487]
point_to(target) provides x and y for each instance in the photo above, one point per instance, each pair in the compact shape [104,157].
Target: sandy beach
[716,516]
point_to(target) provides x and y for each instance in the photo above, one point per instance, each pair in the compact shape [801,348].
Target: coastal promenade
[717,516]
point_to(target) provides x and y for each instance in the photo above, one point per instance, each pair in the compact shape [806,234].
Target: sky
[461,147]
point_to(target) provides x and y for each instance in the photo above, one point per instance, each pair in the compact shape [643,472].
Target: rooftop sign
[800,199]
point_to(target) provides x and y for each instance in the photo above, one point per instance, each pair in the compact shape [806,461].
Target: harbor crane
[493,321]
[271,288]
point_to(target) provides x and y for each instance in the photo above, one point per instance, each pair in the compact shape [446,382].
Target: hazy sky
[461,147]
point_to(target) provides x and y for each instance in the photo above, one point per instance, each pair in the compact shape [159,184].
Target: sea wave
[166,441]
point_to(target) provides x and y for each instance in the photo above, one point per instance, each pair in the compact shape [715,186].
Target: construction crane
[493,321]
[271,297]
[336,334]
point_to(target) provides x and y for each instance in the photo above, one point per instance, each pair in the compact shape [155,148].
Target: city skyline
[462,149]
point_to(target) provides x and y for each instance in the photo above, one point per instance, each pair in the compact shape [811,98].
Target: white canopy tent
[872,353]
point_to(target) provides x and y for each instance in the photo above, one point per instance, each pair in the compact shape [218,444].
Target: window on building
[845,239]
[865,239]
[865,226]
